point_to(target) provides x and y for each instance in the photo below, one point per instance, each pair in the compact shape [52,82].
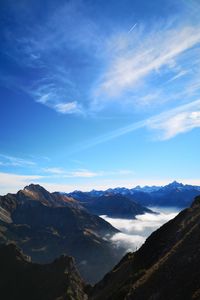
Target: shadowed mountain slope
[166,267]
[21,279]
[112,205]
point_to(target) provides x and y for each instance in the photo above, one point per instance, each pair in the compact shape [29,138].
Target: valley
[45,229]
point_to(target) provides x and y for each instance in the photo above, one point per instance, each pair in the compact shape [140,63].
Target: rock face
[166,267]
[46,225]
[21,279]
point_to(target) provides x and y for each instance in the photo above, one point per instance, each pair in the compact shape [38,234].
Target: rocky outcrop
[21,279]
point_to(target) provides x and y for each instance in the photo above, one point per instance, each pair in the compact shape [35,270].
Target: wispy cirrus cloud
[61,107]
[60,49]
[7,160]
[179,120]
[179,75]
[147,56]
[84,68]
[54,170]
[167,125]
[72,174]
[85,173]
[69,107]
[52,93]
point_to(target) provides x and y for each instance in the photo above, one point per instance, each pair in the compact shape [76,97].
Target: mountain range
[174,194]
[166,267]
[45,225]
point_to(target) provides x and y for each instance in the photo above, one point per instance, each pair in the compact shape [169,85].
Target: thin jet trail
[132,28]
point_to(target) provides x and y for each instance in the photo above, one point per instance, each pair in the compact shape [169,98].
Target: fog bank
[134,232]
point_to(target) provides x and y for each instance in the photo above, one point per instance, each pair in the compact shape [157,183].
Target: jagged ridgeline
[133,200]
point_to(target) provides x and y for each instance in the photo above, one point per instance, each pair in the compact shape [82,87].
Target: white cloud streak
[179,75]
[111,135]
[54,170]
[66,108]
[82,173]
[85,173]
[169,124]
[14,161]
[179,120]
[160,48]
[131,29]
[51,96]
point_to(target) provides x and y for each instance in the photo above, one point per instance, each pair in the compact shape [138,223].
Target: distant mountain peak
[37,192]
[35,188]
[175,184]
[138,187]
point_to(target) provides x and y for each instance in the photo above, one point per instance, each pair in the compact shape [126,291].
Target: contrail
[132,27]
[146,123]
[109,136]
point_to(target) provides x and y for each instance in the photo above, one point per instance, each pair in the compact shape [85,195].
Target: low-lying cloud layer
[134,232]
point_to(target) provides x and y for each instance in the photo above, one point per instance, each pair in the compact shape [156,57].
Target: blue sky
[98,94]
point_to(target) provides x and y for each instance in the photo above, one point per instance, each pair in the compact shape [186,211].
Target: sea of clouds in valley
[133,233]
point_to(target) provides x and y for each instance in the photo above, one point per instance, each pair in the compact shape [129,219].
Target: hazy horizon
[65,189]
